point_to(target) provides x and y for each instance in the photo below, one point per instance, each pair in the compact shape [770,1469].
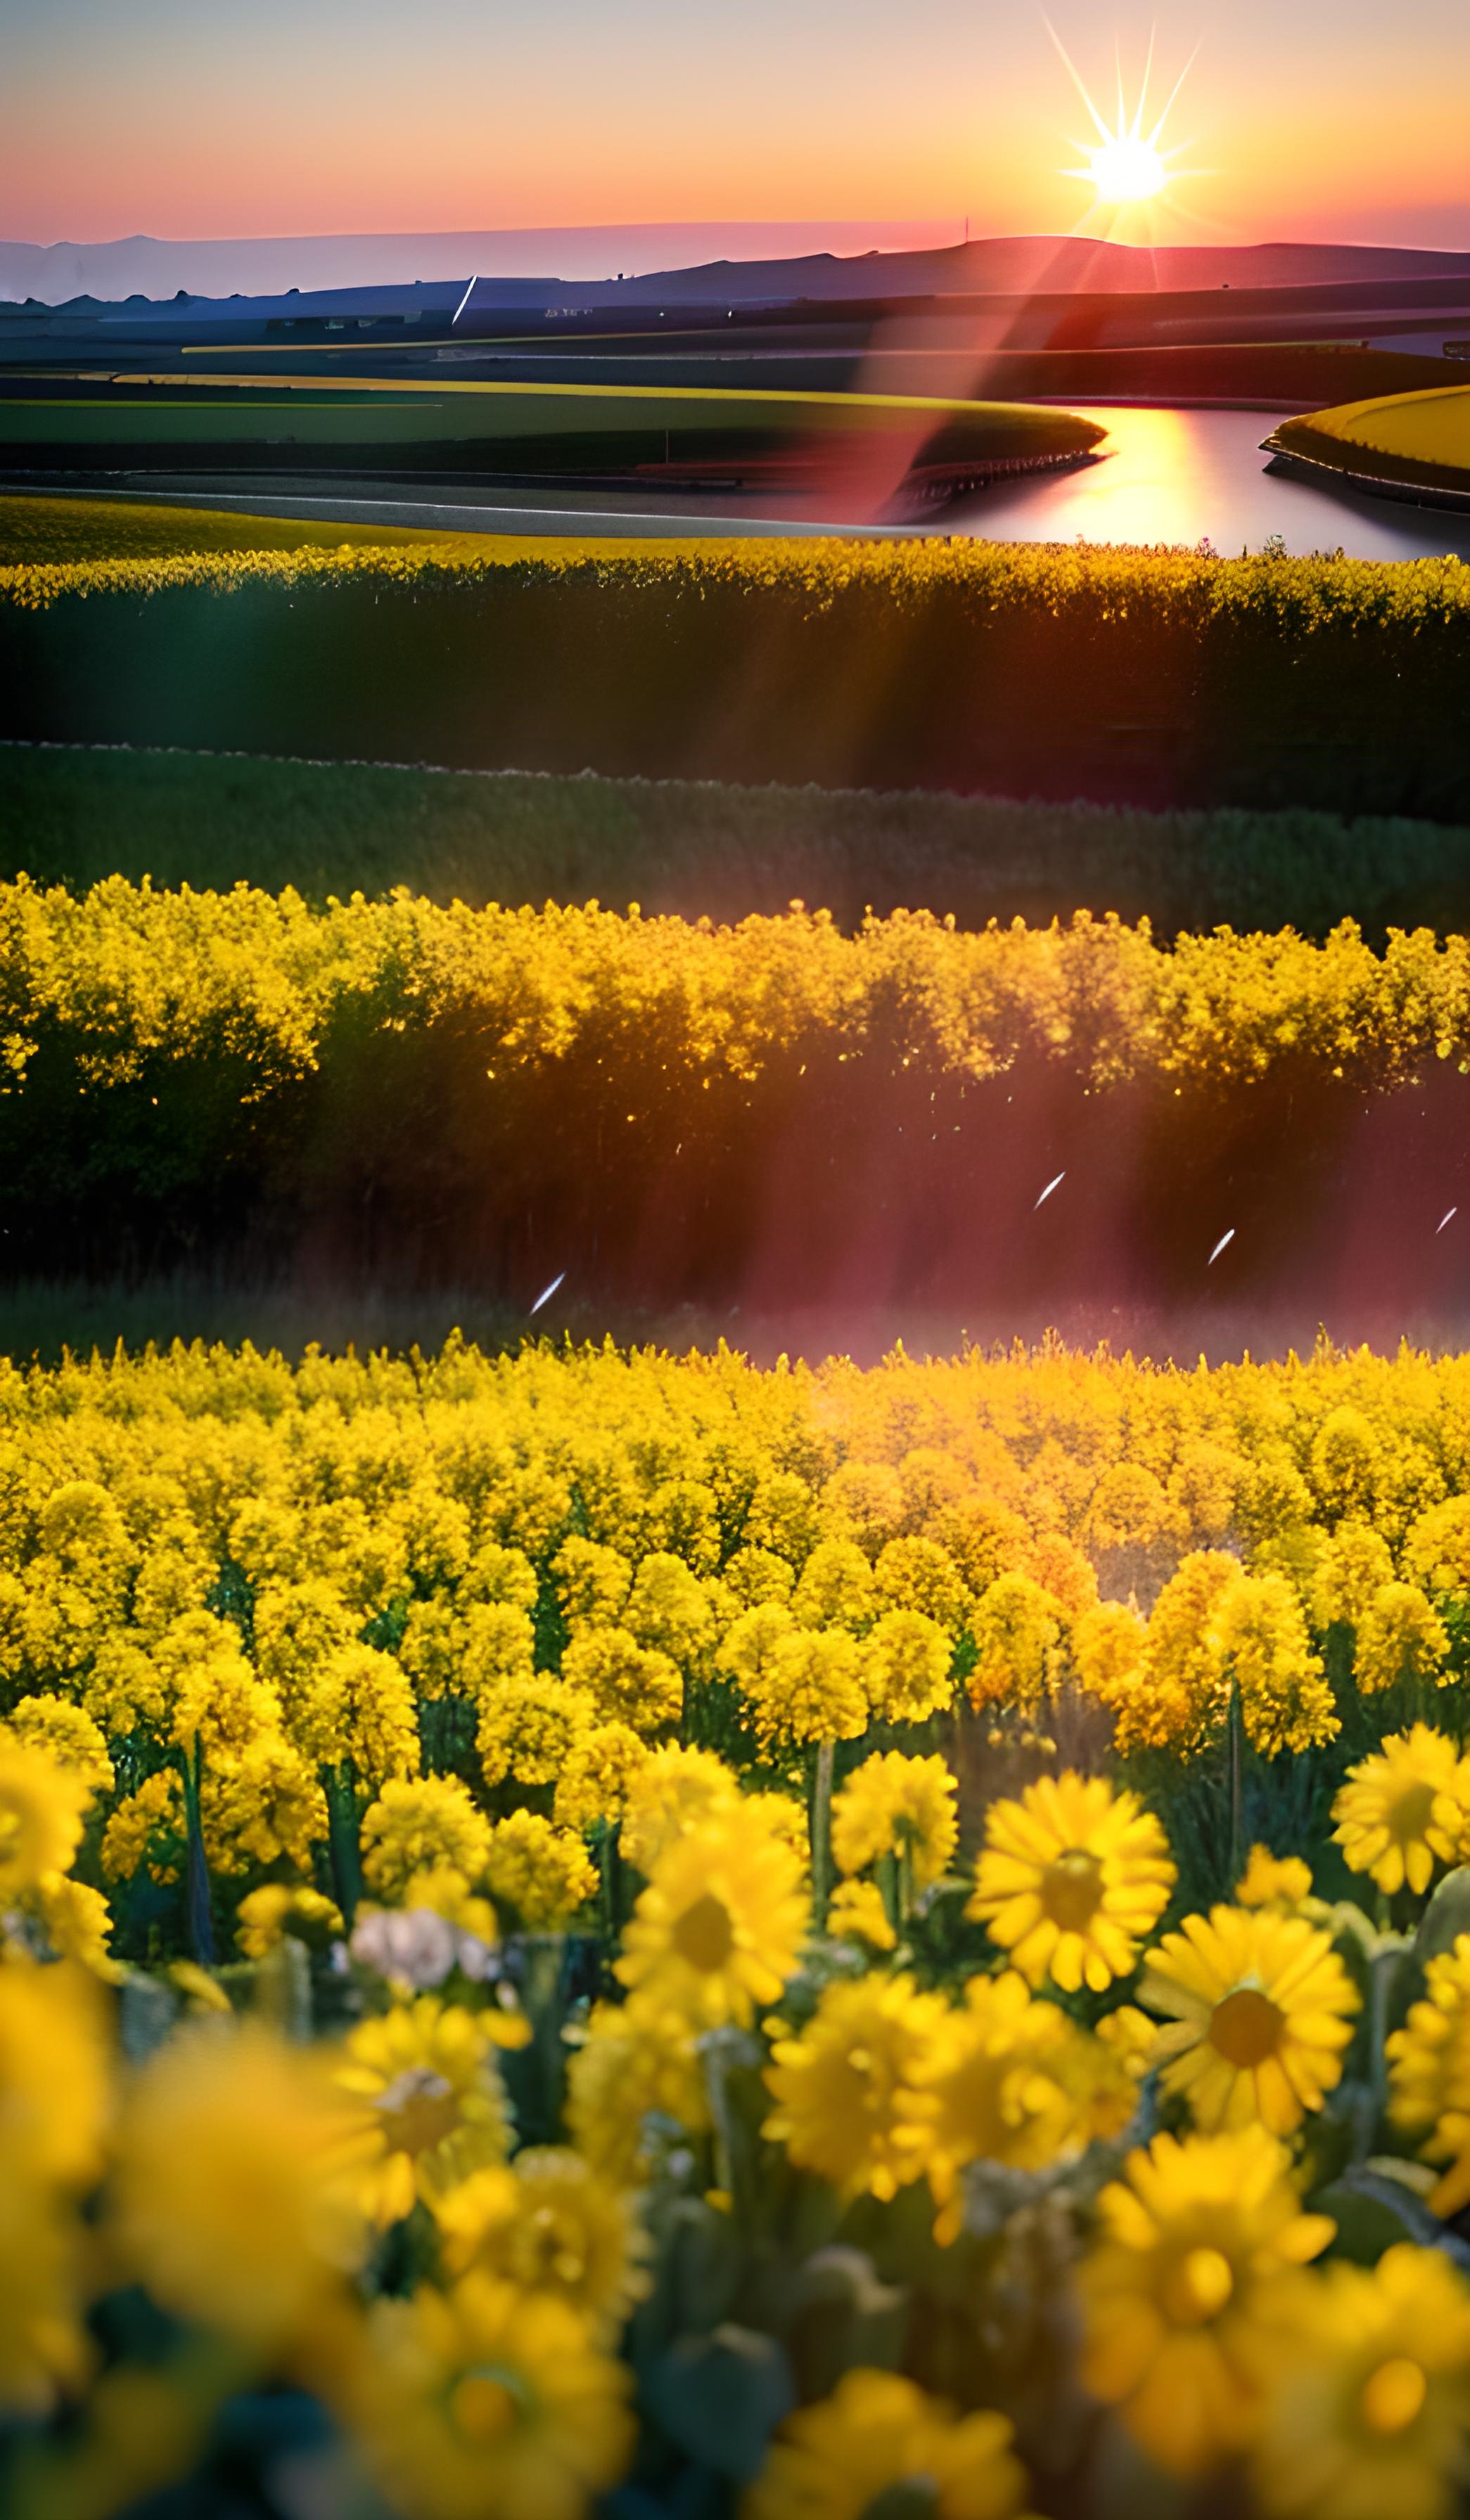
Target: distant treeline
[700,849]
[1160,677]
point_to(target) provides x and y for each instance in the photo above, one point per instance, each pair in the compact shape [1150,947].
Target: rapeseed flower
[674,1791]
[1262,2012]
[622,1681]
[539,1872]
[419,1824]
[601,1772]
[530,1728]
[42,1807]
[892,1805]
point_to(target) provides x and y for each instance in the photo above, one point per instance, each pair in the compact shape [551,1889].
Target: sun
[1125,168]
[1126,162]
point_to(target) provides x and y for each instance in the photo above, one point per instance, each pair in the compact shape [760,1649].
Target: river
[1184,476]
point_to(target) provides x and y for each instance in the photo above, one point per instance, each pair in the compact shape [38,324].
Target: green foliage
[697,849]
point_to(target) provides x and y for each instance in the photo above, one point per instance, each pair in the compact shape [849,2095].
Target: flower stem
[821,1836]
[201,1916]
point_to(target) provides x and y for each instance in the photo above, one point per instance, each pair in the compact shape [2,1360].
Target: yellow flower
[1404,1809]
[1401,1635]
[42,1807]
[892,1805]
[844,2087]
[55,2071]
[260,1806]
[357,1706]
[549,2224]
[624,1682]
[418,1825]
[539,1872]
[1072,1878]
[530,1728]
[1369,2394]
[805,1685]
[676,1789]
[1274,1880]
[855,1909]
[1005,2078]
[487,2401]
[236,2193]
[277,1909]
[1429,2066]
[637,2061]
[43,2345]
[67,1734]
[1261,2010]
[433,2107]
[1198,2242]
[906,1667]
[718,1929]
[76,1923]
[600,1773]
[146,1826]
[880,2443]
[1017,1626]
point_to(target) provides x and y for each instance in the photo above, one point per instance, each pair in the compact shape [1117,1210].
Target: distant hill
[757,262]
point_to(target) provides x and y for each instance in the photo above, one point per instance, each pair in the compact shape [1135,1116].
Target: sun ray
[1127,163]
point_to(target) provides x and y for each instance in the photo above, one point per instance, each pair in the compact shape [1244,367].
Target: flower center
[1394,2395]
[1245,2028]
[1411,1811]
[486,2405]
[702,1935]
[1198,2287]
[1071,1890]
[554,2251]
[420,2109]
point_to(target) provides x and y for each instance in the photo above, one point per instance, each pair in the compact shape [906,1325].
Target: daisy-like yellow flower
[1000,2079]
[238,2192]
[42,1807]
[549,2224]
[893,1805]
[485,2399]
[1404,1810]
[1197,2245]
[1263,2009]
[1071,1879]
[1429,2069]
[878,2443]
[1270,1880]
[637,2062]
[431,2099]
[718,1929]
[846,2087]
[1368,2405]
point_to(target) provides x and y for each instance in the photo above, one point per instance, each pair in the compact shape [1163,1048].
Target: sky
[1326,118]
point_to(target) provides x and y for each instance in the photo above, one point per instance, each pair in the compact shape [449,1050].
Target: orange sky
[197,117]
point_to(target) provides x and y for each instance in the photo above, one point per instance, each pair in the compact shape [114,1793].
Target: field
[706,849]
[599,1926]
[1414,440]
[1160,677]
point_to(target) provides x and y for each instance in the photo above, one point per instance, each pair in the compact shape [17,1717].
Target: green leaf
[719,2398]
[1447,1914]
